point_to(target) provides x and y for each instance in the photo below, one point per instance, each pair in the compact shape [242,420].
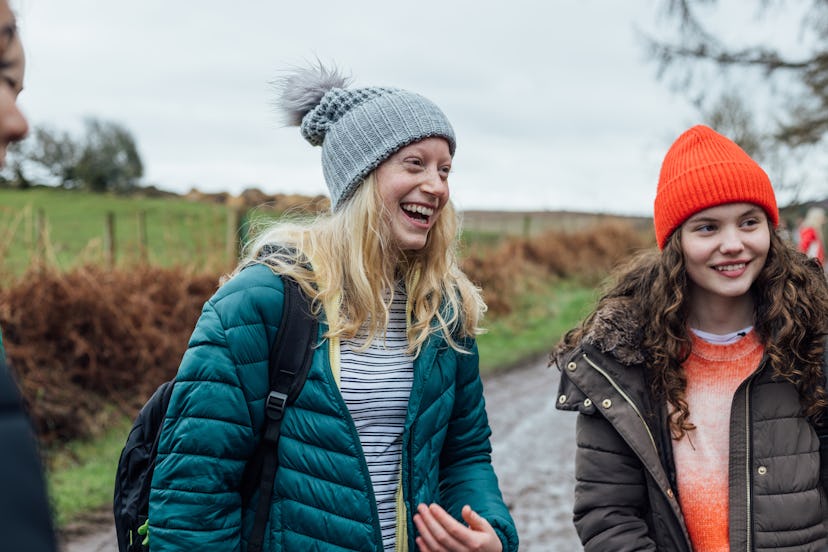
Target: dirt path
[533,455]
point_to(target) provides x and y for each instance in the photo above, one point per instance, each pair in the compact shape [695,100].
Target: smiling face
[725,248]
[13,125]
[413,185]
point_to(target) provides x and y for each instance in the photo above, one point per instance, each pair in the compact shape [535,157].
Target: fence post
[40,237]
[143,243]
[109,239]
[232,240]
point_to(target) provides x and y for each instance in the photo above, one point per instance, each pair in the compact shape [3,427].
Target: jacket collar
[615,331]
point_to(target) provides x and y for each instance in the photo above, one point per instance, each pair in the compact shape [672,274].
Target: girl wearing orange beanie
[699,378]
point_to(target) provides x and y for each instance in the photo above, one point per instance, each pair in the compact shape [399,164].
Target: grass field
[178,232]
[183,232]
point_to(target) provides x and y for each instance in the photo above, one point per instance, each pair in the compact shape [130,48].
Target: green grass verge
[81,478]
[82,474]
[535,326]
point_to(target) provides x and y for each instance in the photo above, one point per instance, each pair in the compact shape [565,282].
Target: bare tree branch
[801,118]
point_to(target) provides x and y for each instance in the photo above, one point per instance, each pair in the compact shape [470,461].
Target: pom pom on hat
[703,169]
[358,128]
[304,88]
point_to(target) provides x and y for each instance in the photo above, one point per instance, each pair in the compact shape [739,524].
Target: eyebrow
[749,212]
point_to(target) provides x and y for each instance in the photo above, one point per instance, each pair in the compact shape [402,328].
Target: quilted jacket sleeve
[610,489]
[211,427]
[466,472]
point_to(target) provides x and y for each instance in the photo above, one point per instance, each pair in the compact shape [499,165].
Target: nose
[14,125]
[731,241]
[435,184]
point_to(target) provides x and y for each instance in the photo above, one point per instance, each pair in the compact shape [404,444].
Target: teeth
[727,268]
[427,211]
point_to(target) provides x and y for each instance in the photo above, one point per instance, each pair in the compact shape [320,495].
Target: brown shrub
[79,341]
[588,254]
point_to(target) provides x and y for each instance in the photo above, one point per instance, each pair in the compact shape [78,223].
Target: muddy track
[533,453]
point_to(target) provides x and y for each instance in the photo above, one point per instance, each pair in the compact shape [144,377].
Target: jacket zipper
[633,406]
[401,532]
[747,463]
[626,398]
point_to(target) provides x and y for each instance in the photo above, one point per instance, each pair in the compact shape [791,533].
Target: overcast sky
[554,102]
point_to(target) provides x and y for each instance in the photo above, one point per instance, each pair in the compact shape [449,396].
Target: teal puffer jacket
[322,497]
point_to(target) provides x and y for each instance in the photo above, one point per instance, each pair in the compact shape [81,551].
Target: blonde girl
[387,446]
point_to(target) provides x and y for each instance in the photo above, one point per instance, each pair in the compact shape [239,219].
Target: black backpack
[288,367]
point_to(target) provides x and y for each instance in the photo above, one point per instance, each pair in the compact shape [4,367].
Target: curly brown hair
[790,318]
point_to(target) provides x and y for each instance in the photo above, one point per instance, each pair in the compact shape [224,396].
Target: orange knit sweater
[714,372]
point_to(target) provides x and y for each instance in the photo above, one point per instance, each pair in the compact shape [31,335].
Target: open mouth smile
[418,213]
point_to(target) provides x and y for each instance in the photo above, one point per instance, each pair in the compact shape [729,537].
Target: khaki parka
[625,490]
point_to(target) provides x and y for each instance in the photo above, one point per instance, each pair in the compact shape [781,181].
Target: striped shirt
[376,385]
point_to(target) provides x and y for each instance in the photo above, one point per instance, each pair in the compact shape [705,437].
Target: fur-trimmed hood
[615,330]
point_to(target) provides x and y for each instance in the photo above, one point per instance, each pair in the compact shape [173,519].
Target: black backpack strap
[290,360]
[158,404]
[133,479]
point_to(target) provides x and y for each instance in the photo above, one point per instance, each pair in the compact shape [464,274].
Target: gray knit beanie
[357,128]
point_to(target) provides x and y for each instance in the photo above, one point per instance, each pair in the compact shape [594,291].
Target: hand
[439,532]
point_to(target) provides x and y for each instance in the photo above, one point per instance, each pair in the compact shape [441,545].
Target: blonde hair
[814,218]
[344,260]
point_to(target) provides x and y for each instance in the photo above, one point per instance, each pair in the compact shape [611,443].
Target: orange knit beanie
[703,169]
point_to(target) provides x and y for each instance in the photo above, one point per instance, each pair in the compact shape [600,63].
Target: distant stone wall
[254,197]
[533,223]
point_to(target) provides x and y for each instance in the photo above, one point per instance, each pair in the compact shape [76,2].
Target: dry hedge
[80,341]
[587,254]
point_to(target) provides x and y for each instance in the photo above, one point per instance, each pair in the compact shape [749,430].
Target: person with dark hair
[387,445]
[699,378]
[25,515]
